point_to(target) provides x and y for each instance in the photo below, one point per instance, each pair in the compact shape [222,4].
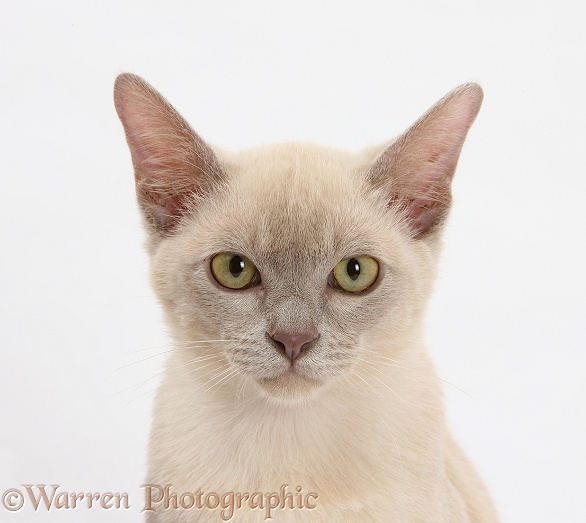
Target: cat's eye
[354,274]
[234,271]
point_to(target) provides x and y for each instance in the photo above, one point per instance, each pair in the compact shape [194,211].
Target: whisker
[392,362]
[174,344]
[414,379]
[137,362]
[399,397]
[191,393]
[217,357]
[240,392]
[189,342]
[141,395]
[382,419]
[172,349]
[232,373]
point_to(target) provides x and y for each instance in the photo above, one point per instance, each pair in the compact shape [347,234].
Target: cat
[294,280]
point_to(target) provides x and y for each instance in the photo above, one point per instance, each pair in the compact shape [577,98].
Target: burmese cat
[294,279]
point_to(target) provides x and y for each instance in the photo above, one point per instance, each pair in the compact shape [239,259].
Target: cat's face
[294,212]
[303,261]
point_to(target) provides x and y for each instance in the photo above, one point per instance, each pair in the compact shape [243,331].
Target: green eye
[234,271]
[355,274]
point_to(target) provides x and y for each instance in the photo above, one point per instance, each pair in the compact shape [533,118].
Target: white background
[77,319]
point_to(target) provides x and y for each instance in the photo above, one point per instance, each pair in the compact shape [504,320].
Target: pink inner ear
[419,166]
[164,210]
[423,215]
[171,161]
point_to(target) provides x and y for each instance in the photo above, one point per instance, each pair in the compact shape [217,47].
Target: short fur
[360,420]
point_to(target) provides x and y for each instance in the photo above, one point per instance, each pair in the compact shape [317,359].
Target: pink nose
[293,344]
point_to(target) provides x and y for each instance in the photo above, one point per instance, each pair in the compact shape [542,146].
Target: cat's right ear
[171,162]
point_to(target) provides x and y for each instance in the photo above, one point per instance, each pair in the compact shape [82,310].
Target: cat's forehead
[300,200]
[296,169]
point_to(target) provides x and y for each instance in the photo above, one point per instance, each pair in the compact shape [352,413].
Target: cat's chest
[212,451]
[354,468]
[248,450]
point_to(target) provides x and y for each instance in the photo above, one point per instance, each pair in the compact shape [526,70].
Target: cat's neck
[384,403]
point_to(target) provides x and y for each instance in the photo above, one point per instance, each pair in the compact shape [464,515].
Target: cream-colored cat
[294,279]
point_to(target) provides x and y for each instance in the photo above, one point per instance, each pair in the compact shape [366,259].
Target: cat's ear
[416,170]
[171,162]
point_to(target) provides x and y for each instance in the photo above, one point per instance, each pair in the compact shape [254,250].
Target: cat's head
[305,260]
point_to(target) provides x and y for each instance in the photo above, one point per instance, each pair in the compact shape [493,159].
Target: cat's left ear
[416,170]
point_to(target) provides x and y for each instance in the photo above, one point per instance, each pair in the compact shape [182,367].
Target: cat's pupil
[353,269]
[236,266]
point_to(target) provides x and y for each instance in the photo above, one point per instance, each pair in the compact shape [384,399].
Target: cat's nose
[293,344]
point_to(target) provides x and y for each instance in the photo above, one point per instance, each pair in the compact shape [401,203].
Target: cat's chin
[289,387]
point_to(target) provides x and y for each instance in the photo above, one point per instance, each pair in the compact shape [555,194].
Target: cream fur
[362,422]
